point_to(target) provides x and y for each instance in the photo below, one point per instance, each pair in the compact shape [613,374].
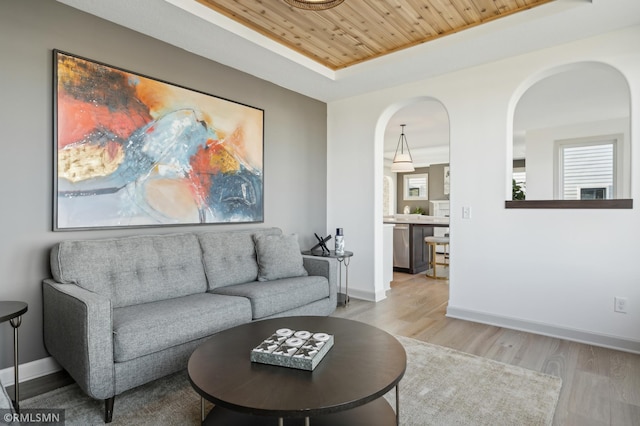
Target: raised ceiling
[196,28]
[359,30]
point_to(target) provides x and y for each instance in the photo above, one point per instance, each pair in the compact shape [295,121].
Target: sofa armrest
[325,267]
[78,333]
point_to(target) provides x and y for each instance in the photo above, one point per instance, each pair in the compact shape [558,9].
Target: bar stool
[433,243]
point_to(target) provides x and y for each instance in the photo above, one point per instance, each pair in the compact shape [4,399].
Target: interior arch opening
[421,195]
[572,139]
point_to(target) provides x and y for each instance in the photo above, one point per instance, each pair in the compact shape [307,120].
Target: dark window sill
[569,204]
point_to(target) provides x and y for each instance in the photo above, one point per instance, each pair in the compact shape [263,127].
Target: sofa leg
[108,409]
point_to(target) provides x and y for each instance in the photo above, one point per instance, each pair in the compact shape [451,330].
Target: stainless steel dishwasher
[401,246]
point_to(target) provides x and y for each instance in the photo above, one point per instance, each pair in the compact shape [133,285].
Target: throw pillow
[278,257]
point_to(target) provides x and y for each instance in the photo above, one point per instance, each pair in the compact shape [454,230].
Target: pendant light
[402,161]
[314,4]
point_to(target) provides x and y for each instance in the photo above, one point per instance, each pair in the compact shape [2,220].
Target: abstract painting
[136,151]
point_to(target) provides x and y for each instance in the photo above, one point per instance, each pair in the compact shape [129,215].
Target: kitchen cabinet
[410,253]
[419,250]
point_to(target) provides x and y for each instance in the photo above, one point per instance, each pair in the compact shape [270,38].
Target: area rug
[441,387]
[445,387]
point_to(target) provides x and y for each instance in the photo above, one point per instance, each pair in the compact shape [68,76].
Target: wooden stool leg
[434,263]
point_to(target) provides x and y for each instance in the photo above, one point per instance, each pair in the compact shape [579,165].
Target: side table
[343,298]
[12,311]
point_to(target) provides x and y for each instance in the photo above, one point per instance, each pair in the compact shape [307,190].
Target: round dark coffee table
[345,388]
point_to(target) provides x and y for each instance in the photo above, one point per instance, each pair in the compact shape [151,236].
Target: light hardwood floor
[599,386]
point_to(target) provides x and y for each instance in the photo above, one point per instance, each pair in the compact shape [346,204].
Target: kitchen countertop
[417,219]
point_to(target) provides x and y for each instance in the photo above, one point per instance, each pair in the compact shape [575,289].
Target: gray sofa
[121,312]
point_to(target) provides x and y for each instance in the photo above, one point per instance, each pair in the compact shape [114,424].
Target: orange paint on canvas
[77,119]
[209,161]
[235,141]
[95,97]
[214,159]
[162,99]
[157,96]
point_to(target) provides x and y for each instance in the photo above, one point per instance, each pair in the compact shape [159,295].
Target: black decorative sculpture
[322,244]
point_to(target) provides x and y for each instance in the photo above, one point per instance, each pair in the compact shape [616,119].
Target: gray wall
[436,182]
[413,204]
[294,156]
[436,188]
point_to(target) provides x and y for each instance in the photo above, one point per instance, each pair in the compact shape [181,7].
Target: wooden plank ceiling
[360,30]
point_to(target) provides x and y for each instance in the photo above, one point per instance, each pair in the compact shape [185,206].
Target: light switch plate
[466,212]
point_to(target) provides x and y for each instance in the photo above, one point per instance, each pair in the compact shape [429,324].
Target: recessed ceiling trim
[233,26]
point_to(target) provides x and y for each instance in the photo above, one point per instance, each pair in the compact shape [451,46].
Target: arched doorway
[427,132]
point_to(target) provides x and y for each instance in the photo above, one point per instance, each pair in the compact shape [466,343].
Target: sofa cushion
[278,257]
[230,257]
[152,327]
[273,297]
[132,270]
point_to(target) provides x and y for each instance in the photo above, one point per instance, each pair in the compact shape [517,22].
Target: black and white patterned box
[295,349]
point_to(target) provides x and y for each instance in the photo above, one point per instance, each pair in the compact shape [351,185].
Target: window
[416,187]
[586,169]
[593,194]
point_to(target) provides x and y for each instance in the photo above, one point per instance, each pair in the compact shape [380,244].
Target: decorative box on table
[295,349]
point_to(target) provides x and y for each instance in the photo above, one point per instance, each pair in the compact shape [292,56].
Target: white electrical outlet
[620,304]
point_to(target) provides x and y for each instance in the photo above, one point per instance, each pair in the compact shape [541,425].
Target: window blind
[588,167]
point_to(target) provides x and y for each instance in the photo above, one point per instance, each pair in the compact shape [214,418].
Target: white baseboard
[380,295]
[369,296]
[581,336]
[30,370]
